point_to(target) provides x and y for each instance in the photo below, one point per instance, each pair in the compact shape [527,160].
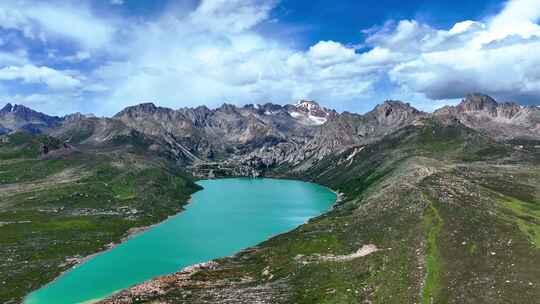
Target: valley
[237,213]
[436,207]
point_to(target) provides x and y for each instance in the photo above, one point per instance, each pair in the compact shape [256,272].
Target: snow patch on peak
[316,120]
[308,118]
[307,104]
[271,112]
[309,112]
[295,114]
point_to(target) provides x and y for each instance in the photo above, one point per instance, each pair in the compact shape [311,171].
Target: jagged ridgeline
[436,207]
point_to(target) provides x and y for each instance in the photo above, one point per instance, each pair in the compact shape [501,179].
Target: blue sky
[344,20]
[100,56]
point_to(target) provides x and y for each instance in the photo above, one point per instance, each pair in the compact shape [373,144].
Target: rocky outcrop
[339,133]
[21,118]
[310,113]
[160,285]
[499,120]
[84,130]
[349,129]
[228,130]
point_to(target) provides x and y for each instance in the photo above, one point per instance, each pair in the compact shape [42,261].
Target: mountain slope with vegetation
[434,207]
[60,204]
[432,213]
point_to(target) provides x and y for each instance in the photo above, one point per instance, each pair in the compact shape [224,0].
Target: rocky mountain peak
[394,111]
[269,108]
[75,117]
[21,111]
[478,102]
[19,117]
[307,104]
[147,107]
[500,120]
[392,105]
[25,112]
[309,112]
[7,108]
[142,108]
[228,108]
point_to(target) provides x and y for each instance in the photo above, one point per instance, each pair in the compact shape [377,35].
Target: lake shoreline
[130,233]
[155,284]
[133,232]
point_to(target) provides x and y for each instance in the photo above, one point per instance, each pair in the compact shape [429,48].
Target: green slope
[68,204]
[453,214]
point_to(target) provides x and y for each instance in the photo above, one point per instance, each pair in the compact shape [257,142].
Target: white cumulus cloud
[54,79]
[498,56]
[216,52]
[45,21]
[231,15]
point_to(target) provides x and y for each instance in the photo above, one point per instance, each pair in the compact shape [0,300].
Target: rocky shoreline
[158,285]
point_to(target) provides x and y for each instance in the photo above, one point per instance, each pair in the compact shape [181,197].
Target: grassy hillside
[59,207]
[453,215]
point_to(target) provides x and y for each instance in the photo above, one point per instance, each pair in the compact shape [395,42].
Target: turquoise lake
[225,217]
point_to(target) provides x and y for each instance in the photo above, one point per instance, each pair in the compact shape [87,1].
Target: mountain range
[435,207]
[253,138]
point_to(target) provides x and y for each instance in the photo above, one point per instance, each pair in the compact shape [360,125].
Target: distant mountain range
[255,137]
[19,117]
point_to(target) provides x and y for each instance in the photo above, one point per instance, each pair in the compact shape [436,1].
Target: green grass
[385,205]
[7,153]
[31,169]
[433,224]
[473,248]
[79,216]
[527,217]
[458,261]
[25,145]
[35,251]
[439,139]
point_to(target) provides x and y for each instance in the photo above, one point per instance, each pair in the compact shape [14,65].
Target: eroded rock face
[251,139]
[338,133]
[21,118]
[227,130]
[309,112]
[348,129]
[500,120]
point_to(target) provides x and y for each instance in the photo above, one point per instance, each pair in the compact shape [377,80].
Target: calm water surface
[228,215]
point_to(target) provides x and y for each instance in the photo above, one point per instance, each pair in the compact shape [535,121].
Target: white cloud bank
[499,56]
[54,79]
[214,54]
[40,20]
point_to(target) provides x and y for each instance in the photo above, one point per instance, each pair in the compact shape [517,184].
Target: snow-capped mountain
[310,113]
